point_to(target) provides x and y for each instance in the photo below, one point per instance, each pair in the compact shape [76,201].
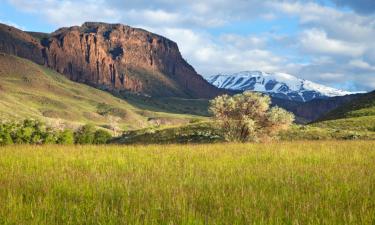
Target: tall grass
[278,183]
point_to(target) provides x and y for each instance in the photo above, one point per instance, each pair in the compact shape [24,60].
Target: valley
[109,123]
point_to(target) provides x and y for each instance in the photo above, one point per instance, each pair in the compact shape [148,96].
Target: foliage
[85,134]
[66,137]
[35,132]
[248,117]
[203,132]
[5,135]
[101,137]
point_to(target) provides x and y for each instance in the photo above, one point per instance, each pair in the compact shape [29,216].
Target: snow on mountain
[280,85]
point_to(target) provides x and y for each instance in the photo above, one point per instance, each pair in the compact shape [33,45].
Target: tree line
[246,117]
[36,132]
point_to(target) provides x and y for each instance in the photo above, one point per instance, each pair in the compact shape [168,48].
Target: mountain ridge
[280,85]
[113,57]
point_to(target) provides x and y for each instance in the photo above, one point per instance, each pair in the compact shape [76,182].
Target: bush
[101,137]
[248,117]
[85,135]
[65,137]
[5,137]
[35,132]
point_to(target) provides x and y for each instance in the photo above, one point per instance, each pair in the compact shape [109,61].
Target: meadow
[321,182]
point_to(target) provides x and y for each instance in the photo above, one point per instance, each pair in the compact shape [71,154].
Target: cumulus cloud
[316,41]
[330,45]
[227,54]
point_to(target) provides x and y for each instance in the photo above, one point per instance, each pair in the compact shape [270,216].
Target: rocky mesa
[114,57]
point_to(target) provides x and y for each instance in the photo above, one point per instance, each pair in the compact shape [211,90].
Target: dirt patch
[57,114]
[93,116]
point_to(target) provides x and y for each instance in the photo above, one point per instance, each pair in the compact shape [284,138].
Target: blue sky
[326,41]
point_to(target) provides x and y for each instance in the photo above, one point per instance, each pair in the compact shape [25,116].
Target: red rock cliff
[115,57]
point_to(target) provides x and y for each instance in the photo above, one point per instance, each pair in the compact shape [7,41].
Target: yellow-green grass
[363,123]
[274,183]
[28,90]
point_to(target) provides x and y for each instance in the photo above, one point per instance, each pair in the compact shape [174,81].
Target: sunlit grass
[277,183]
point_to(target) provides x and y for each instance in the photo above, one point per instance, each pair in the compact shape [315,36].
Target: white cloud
[330,45]
[316,41]
[360,64]
[13,24]
[228,54]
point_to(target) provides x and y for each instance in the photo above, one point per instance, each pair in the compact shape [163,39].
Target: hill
[358,114]
[28,90]
[112,57]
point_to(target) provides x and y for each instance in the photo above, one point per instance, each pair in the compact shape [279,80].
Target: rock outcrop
[16,42]
[112,56]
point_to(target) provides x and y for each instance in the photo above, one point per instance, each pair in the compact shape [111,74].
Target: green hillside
[357,115]
[28,90]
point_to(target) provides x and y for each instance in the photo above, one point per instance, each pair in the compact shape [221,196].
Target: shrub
[5,138]
[85,135]
[102,137]
[35,132]
[65,137]
[248,117]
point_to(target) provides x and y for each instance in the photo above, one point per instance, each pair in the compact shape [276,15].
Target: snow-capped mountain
[280,85]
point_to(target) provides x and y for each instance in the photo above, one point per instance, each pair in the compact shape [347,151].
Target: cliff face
[114,57]
[16,42]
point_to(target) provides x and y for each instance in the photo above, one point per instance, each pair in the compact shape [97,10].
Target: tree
[65,137]
[248,117]
[5,137]
[101,137]
[85,134]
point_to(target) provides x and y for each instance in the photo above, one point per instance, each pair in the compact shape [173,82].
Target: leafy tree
[85,135]
[65,137]
[5,137]
[102,137]
[248,117]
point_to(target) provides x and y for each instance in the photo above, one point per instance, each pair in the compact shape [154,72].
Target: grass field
[275,183]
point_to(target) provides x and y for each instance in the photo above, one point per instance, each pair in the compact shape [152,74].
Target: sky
[331,42]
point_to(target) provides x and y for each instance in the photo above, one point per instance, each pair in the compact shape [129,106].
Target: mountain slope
[358,114]
[363,105]
[113,57]
[310,111]
[279,85]
[28,90]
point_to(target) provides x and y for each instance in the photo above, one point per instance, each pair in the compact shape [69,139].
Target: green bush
[85,135]
[35,132]
[5,137]
[65,137]
[101,137]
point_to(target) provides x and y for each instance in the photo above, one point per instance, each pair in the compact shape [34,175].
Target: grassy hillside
[28,90]
[363,105]
[279,183]
[202,132]
[170,105]
[357,115]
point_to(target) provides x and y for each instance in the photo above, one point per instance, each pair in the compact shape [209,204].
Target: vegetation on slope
[363,105]
[203,132]
[280,183]
[35,132]
[357,115]
[28,90]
